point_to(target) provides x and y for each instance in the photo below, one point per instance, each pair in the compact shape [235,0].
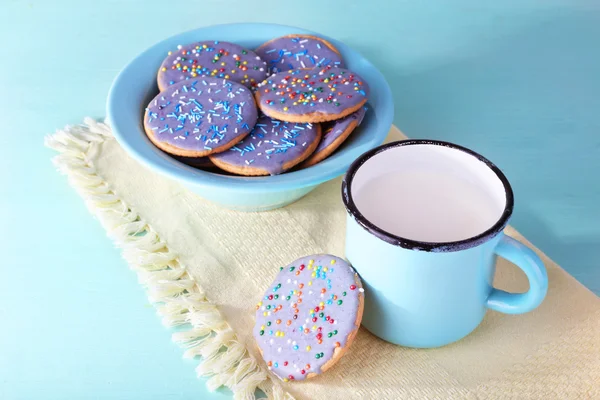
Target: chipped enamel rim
[416,244]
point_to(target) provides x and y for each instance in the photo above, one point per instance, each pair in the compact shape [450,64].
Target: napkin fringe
[202,330]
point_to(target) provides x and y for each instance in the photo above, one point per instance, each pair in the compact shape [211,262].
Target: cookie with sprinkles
[271,148]
[198,117]
[212,58]
[318,95]
[335,133]
[309,316]
[298,52]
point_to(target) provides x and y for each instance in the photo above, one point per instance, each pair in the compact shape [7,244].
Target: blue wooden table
[515,80]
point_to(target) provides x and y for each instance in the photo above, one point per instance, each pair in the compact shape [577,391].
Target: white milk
[430,206]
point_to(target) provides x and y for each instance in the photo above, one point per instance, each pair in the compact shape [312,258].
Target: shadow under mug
[425,293]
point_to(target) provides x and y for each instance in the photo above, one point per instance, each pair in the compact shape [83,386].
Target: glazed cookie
[212,58]
[317,95]
[335,133]
[271,148]
[309,316]
[298,51]
[199,117]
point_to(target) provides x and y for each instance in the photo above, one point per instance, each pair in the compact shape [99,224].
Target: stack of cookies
[288,104]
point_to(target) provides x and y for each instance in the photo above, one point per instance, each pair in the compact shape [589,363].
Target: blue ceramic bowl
[135,86]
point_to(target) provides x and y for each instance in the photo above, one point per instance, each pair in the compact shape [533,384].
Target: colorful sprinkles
[298,52]
[201,115]
[212,91]
[326,91]
[271,145]
[311,318]
[212,58]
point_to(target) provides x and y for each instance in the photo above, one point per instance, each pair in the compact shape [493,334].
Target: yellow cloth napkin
[550,353]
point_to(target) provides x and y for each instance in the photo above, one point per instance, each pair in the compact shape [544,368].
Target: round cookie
[317,95]
[271,148]
[212,58]
[199,117]
[298,52]
[336,132]
[309,316]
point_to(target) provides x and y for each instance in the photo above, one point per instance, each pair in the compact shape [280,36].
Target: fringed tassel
[179,301]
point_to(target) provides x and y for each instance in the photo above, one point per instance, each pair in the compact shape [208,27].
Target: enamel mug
[424,227]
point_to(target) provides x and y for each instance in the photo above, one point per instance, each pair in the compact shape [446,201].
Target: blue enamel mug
[424,227]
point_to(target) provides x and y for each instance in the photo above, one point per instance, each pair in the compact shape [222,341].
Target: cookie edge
[252,171]
[325,42]
[339,352]
[316,158]
[177,151]
[160,73]
[310,118]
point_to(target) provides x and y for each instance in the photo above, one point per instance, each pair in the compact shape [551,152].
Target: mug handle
[524,258]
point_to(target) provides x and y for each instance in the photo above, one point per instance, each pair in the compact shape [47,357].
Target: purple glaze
[304,285]
[327,91]
[202,114]
[297,51]
[270,145]
[212,58]
[333,129]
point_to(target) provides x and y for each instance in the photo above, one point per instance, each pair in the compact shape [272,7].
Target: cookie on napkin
[309,316]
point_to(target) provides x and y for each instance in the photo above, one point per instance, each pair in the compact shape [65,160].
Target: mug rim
[417,244]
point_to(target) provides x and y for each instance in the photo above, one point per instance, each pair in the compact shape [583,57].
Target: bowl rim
[291,180]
